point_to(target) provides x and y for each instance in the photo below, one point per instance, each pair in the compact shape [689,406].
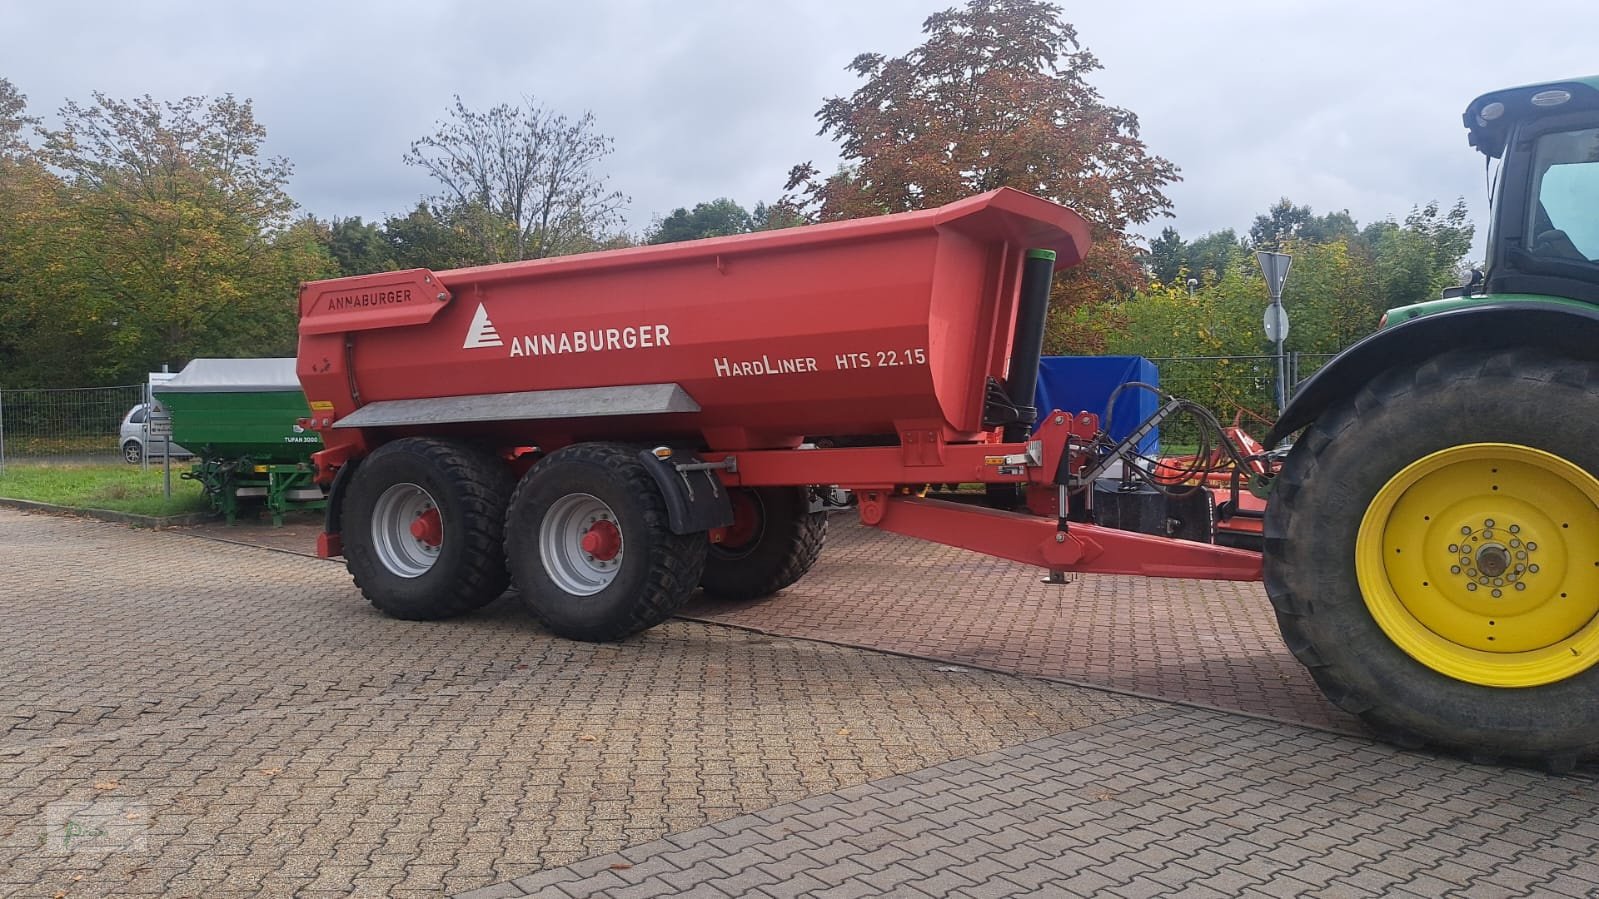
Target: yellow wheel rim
[1481,562]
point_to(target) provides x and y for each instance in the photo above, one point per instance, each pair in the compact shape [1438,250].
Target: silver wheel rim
[397,548]
[561,534]
[133,452]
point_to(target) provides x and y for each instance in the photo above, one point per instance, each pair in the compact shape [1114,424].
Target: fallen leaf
[521,667]
[843,731]
[587,738]
[132,816]
[105,785]
[270,772]
[620,866]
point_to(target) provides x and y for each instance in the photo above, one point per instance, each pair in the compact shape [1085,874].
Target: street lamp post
[1275,267]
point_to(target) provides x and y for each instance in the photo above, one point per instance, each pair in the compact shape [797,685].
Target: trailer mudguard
[333,517]
[1560,327]
[696,500]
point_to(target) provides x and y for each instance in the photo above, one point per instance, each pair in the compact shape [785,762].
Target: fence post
[2,432]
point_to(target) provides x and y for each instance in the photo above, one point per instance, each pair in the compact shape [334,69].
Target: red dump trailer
[614,430]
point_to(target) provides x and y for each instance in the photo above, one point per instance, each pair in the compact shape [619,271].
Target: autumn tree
[14,121]
[523,181]
[997,95]
[30,217]
[177,241]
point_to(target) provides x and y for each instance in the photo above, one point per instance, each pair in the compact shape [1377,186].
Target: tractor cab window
[1565,219]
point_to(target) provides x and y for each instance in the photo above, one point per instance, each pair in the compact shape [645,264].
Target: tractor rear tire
[774,549]
[453,568]
[1397,556]
[590,546]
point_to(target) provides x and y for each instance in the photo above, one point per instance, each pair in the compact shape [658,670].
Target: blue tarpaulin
[1084,384]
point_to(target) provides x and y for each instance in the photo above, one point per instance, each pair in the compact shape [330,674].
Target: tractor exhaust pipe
[1021,382]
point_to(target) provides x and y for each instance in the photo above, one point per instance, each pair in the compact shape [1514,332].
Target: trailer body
[852,329]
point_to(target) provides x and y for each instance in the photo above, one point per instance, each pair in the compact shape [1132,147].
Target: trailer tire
[590,546]
[419,482]
[1401,640]
[770,552]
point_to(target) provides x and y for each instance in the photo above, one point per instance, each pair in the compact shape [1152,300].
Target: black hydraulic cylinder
[1021,382]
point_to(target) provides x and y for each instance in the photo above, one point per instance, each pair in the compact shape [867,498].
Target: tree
[996,95]
[1211,257]
[13,122]
[781,214]
[173,239]
[522,180]
[1168,256]
[359,248]
[1286,222]
[717,218]
[31,351]
[1414,261]
[423,238]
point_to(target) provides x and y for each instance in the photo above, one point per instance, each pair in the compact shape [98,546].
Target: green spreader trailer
[240,418]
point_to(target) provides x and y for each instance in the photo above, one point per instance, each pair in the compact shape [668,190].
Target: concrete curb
[138,521]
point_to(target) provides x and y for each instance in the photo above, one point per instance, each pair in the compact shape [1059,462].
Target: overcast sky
[1351,105]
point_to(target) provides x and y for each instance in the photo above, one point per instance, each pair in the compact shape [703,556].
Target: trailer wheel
[774,540]
[423,527]
[1432,553]
[589,545]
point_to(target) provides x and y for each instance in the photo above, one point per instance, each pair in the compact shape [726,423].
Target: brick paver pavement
[1177,801]
[190,718]
[1211,643]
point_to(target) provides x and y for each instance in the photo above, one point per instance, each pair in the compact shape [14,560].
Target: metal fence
[73,424]
[1230,386]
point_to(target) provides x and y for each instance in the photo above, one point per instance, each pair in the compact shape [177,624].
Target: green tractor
[1432,540]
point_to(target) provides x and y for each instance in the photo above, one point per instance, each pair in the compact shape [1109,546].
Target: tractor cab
[1544,236]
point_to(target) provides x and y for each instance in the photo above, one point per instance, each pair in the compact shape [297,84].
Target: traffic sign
[159,425]
[1275,267]
[1276,322]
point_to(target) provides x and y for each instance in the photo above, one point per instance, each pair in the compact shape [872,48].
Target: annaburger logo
[481,332]
[364,300]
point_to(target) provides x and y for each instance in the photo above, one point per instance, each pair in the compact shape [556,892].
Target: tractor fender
[1562,328]
[696,500]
